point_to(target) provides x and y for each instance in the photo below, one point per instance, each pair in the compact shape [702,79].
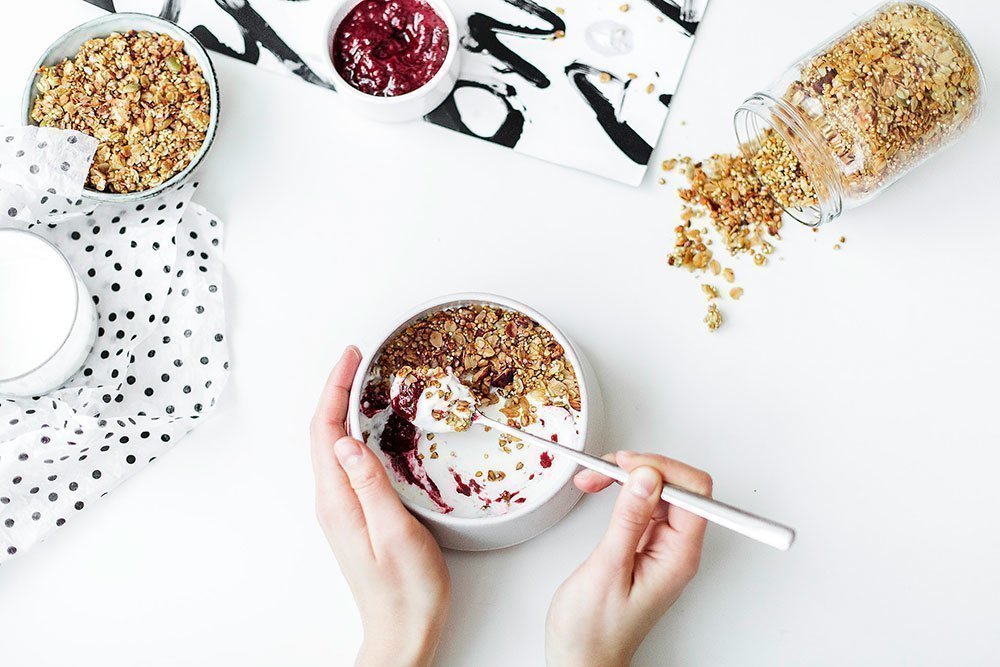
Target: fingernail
[348,451]
[642,482]
[352,349]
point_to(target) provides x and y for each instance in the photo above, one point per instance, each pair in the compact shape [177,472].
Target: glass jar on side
[866,107]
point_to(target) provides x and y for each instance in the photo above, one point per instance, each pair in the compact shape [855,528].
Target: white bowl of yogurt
[478,490]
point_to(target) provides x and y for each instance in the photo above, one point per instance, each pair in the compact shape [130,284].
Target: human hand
[651,550]
[394,567]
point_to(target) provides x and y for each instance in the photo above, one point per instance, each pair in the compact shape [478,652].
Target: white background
[851,394]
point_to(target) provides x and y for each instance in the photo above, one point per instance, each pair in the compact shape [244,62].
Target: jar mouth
[761,113]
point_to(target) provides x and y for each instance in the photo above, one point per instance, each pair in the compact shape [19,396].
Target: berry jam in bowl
[393,60]
[477,489]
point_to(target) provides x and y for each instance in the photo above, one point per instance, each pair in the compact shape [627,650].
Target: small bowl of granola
[143,87]
[477,489]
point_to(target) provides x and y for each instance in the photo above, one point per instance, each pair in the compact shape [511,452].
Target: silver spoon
[456,404]
[755,527]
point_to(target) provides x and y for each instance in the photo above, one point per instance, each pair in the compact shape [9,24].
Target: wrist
[578,654]
[412,650]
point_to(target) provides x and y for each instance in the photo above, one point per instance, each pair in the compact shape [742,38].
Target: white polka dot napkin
[160,360]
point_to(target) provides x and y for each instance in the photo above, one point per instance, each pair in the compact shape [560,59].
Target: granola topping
[436,371]
[137,93]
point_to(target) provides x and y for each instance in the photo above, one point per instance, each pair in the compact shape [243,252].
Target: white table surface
[852,394]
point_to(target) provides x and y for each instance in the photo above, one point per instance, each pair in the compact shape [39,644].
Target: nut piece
[736,293]
[714,317]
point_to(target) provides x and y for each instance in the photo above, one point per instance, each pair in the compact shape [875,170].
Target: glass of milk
[48,322]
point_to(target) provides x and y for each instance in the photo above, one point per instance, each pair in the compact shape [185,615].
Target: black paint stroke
[171,10]
[620,132]
[665,99]
[484,37]
[672,11]
[508,134]
[254,30]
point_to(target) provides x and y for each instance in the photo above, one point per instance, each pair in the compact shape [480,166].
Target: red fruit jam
[390,47]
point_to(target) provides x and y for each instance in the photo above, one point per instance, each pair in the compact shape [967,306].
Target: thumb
[633,511]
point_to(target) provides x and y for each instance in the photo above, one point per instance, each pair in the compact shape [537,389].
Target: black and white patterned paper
[582,84]
[160,359]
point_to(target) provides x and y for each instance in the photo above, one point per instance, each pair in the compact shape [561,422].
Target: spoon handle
[750,525]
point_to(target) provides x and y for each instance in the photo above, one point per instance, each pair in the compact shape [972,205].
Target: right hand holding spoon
[651,550]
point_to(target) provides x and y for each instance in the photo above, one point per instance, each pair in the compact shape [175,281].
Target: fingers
[679,474]
[591,481]
[328,421]
[384,515]
[631,516]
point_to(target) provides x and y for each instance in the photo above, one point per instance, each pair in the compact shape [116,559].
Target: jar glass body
[869,104]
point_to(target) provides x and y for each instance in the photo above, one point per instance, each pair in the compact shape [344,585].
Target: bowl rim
[456,300]
[336,17]
[192,47]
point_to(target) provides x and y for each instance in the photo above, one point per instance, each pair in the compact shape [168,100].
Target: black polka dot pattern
[159,362]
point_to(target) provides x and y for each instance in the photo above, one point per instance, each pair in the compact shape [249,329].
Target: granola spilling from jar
[140,95]
[889,92]
[743,199]
[418,399]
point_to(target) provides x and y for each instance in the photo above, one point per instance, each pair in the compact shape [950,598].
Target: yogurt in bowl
[477,489]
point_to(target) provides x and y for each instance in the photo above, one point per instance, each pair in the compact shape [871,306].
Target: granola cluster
[500,355]
[744,198]
[889,92]
[137,93]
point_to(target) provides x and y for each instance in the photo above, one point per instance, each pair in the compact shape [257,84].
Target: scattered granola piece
[710,291]
[729,275]
[623,8]
[736,293]
[668,165]
[714,317]
[650,88]
[605,77]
